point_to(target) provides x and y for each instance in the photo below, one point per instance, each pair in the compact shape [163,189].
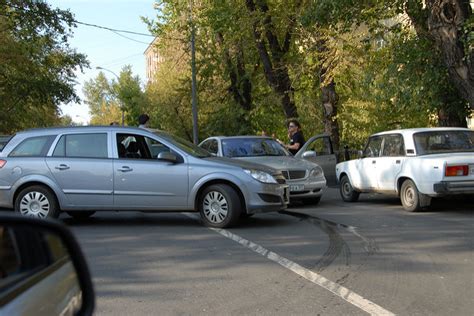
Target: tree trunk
[329,100]
[445,23]
[240,85]
[274,66]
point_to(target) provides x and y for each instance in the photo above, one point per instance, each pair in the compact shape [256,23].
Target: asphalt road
[332,259]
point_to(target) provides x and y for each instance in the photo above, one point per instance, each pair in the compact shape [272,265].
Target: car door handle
[374,161]
[397,161]
[62,167]
[125,169]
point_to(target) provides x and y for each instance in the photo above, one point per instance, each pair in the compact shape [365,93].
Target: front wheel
[37,201]
[219,206]
[410,197]
[348,193]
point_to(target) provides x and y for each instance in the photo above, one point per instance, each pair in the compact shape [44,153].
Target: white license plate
[471,169]
[296,187]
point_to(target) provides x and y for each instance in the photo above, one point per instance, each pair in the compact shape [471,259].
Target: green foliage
[387,76]
[37,65]
[107,100]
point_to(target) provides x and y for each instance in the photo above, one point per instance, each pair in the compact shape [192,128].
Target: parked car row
[80,170]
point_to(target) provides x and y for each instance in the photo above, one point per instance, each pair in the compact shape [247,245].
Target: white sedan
[415,164]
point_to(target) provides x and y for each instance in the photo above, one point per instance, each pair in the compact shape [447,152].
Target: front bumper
[307,189]
[271,199]
[454,187]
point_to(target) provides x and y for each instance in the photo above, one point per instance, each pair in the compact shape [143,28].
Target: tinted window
[443,142]
[33,147]
[82,146]
[373,147]
[393,146]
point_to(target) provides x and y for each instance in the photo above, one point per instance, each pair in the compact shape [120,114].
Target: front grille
[294,174]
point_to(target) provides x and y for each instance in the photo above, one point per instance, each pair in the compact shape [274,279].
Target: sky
[105,48]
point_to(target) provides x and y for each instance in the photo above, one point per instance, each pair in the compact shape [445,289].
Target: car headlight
[316,172]
[261,176]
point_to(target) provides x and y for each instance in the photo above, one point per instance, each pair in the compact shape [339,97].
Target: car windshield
[184,145]
[437,142]
[252,147]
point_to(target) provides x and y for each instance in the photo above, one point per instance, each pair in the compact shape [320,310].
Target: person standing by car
[295,135]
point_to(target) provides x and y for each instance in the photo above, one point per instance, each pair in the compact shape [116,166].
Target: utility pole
[193,76]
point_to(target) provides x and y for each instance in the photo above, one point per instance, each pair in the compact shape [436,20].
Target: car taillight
[2,163]
[454,171]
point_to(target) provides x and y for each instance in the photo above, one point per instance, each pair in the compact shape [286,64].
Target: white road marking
[344,293]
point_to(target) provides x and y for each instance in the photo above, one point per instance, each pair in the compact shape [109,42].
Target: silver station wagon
[81,170]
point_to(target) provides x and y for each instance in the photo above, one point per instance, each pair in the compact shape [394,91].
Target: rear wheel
[220,206]
[410,197]
[348,193]
[37,201]
[81,215]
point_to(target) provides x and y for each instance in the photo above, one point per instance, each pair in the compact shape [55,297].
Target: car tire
[37,201]
[410,196]
[219,206]
[81,215]
[346,190]
[312,201]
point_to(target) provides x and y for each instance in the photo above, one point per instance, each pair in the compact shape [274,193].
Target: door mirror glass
[40,262]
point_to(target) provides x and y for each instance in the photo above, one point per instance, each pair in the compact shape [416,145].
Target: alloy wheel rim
[35,204]
[215,207]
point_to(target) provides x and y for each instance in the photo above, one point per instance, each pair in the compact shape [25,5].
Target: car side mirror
[360,154]
[309,154]
[40,260]
[168,156]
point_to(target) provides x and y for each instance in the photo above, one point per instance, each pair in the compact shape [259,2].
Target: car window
[213,147]
[3,141]
[15,262]
[33,147]
[139,147]
[27,256]
[321,146]
[393,146]
[373,147]
[251,147]
[435,142]
[91,145]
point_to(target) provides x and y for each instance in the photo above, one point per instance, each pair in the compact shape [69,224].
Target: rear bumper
[453,187]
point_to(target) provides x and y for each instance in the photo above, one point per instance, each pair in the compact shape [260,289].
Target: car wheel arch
[220,181]
[34,183]
[400,183]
